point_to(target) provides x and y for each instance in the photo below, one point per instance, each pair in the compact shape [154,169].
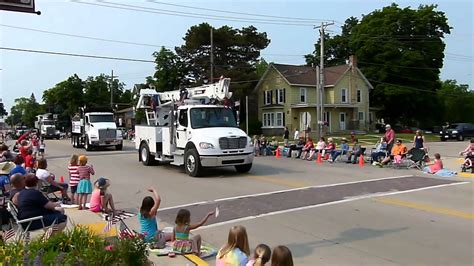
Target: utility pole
[212,56]
[321,76]
[112,89]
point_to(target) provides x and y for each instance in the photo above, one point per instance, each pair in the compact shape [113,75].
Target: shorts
[73,189]
[35,149]
[41,150]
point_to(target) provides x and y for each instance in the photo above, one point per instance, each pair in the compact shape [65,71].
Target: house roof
[305,75]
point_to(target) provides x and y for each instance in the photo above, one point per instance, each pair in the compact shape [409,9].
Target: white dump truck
[95,129]
[187,127]
[46,126]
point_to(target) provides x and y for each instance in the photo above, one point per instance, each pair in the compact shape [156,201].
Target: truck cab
[96,129]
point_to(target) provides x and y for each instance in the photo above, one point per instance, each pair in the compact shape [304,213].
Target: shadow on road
[348,236]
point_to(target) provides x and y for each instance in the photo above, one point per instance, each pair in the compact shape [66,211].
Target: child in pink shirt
[436,166]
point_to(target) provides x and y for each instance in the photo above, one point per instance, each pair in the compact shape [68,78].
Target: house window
[344,95]
[302,95]
[279,120]
[268,97]
[280,96]
[359,96]
[361,116]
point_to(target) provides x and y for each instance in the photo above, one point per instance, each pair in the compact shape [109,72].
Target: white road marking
[327,204]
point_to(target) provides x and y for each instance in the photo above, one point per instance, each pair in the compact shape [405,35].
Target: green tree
[97,90]
[25,110]
[236,53]
[261,67]
[170,71]
[400,51]
[457,102]
[3,112]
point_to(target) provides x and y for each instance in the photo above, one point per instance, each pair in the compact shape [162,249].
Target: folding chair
[43,186]
[22,233]
[416,158]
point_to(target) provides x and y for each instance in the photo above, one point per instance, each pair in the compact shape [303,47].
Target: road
[327,214]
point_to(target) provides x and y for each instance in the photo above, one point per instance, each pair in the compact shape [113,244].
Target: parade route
[328,214]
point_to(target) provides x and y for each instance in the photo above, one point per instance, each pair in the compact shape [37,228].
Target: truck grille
[107,133]
[232,143]
[50,130]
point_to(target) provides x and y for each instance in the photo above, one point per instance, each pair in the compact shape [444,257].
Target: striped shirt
[73,175]
[85,171]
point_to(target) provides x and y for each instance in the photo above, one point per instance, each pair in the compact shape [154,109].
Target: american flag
[108,226]
[50,231]
[9,234]
[124,229]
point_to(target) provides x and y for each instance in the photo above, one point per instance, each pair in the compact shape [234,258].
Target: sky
[24,73]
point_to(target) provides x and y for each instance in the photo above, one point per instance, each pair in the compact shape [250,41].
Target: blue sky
[24,73]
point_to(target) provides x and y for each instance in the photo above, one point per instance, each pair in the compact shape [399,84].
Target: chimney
[353,61]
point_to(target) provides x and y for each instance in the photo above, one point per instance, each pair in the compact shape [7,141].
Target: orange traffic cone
[61,180]
[277,153]
[361,161]
[319,160]
[326,156]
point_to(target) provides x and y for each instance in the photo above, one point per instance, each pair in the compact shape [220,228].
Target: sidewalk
[454,164]
[95,222]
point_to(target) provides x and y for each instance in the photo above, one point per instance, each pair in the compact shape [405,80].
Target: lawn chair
[21,232]
[416,158]
[43,186]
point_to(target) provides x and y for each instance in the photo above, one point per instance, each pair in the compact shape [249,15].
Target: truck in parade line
[190,127]
[46,125]
[94,127]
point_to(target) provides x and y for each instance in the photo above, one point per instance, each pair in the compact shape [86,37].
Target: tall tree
[236,53]
[457,102]
[3,112]
[401,51]
[170,71]
[25,110]
[97,90]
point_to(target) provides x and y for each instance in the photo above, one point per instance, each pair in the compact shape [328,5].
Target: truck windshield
[48,123]
[212,117]
[101,118]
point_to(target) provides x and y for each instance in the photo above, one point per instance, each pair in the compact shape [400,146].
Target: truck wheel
[243,168]
[87,146]
[73,142]
[443,139]
[192,164]
[145,155]
[119,147]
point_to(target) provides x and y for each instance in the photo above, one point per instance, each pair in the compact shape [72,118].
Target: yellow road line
[98,228]
[427,208]
[196,260]
[278,181]
[467,175]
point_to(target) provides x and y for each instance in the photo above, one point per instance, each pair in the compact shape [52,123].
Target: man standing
[389,137]
[286,136]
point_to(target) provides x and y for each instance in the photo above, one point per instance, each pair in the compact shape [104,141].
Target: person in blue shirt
[344,149]
[5,169]
[18,169]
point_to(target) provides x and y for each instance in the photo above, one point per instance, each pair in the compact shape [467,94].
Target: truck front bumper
[226,160]
[106,142]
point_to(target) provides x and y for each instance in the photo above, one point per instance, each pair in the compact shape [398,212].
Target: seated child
[147,217]
[261,255]
[282,255]
[101,200]
[436,166]
[180,237]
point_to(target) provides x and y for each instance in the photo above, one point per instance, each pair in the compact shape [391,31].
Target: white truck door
[181,129]
[86,124]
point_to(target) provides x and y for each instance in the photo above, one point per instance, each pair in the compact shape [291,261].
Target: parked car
[458,131]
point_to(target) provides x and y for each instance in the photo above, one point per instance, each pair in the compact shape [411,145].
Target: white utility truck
[46,126]
[187,127]
[95,129]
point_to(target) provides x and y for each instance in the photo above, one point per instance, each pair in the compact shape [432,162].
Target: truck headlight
[206,145]
[119,133]
[441,132]
[454,132]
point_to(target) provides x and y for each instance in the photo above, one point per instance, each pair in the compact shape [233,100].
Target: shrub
[78,246]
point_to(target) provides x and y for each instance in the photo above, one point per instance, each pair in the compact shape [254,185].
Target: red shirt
[24,151]
[29,161]
[389,136]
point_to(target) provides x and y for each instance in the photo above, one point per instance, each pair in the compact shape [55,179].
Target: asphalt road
[327,214]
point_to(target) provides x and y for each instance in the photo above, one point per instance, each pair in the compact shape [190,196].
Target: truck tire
[243,168]
[192,164]
[73,141]
[443,139]
[119,147]
[87,146]
[145,155]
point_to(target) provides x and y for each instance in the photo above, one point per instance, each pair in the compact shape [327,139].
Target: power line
[82,36]
[239,13]
[174,13]
[77,55]
[399,66]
